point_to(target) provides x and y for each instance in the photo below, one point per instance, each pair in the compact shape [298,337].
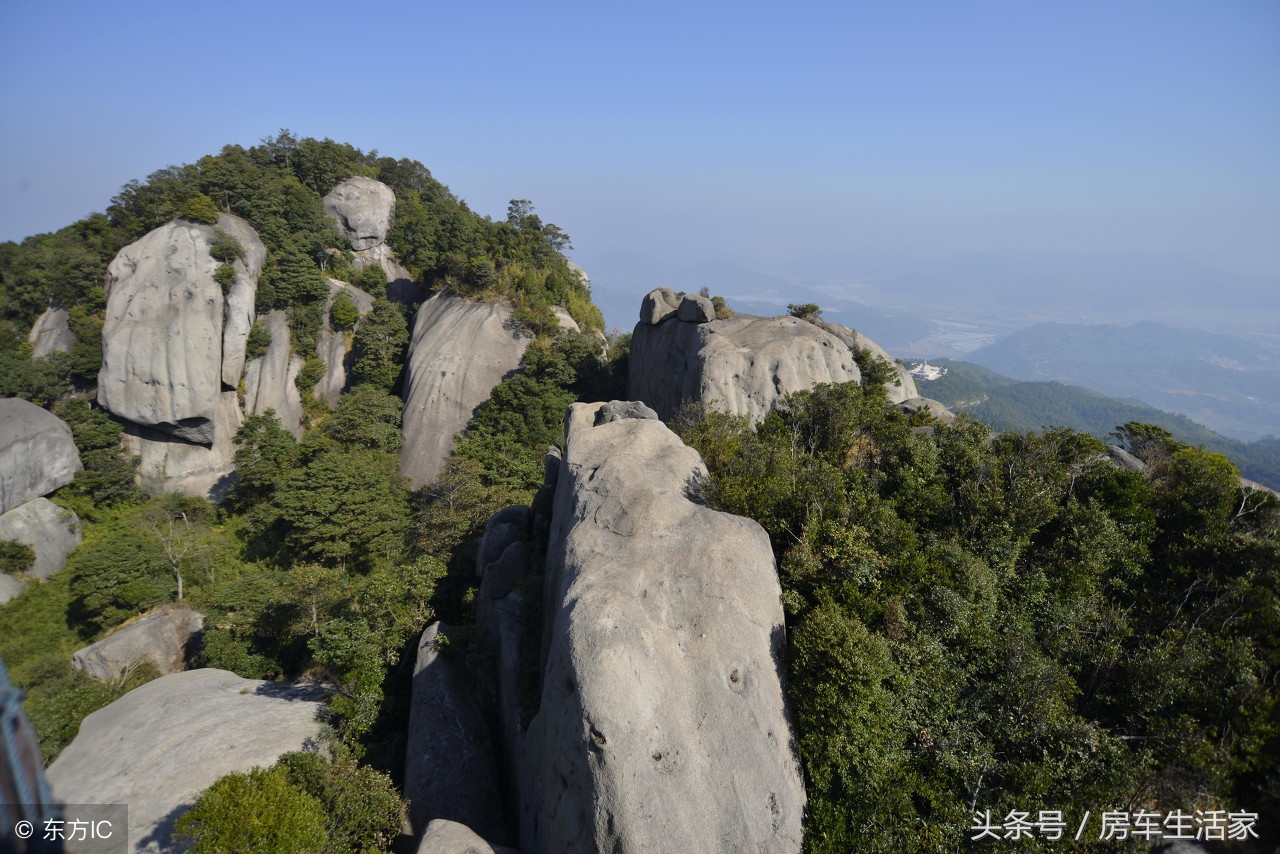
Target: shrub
[343,314]
[201,208]
[258,811]
[225,275]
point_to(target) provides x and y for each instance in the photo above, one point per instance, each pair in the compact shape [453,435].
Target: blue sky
[755,131]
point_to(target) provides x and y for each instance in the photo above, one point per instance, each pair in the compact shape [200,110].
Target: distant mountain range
[1006,403]
[1229,383]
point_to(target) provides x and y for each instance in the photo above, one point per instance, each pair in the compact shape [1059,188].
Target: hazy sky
[763,131]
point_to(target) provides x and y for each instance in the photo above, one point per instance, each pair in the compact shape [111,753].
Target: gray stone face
[37,453]
[658,305]
[168,328]
[695,308]
[172,465]
[269,379]
[50,531]
[458,352]
[662,724]
[159,746]
[904,388]
[742,365]
[449,837]
[1124,459]
[164,637]
[617,410]
[335,345]
[450,770]
[363,209]
[10,588]
[239,315]
[51,333]
[933,407]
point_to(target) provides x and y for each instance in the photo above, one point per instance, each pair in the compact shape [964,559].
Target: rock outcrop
[363,208]
[171,341]
[450,770]
[37,453]
[937,410]
[448,837]
[458,352]
[335,345]
[165,637]
[10,588]
[51,333]
[743,365]
[168,464]
[662,723]
[160,745]
[904,388]
[51,531]
[269,379]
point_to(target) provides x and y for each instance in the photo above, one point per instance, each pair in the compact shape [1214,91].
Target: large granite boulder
[171,340]
[168,464]
[450,771]
[743,365]
[37,453]
[51,333]
[51,531]
[269,379]
[662,724]
[905,386]
[363,209]
[458,352]
[448,837]
[165,637]
[159,746]
[936,409]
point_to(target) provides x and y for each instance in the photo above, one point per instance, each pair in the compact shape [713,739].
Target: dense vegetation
[976,621]
[1000,623]
[1009,404]
[320,564]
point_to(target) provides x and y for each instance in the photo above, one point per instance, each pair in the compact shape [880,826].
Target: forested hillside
[974,624]
[1009,404]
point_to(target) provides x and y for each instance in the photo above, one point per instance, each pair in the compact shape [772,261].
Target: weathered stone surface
[449,837]
[933,407]
[163,340]
[160,745]
[269,379]
[400,284]
[363,209]
[617,410]
[565,320]
[458,352]
[171,465]
[51,531]
[335,345]
[742,365]
[450,769]
[1124,459]
[10,588]
[580,273]
[241,296]
[51,333]
[904,388]
[164,637]
[695,308]
[662,724]
[658,305]
[37,453]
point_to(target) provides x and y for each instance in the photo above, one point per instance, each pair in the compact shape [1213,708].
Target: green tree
[344,507]
[367,417]
[200,208]
[379,346]
[343,314]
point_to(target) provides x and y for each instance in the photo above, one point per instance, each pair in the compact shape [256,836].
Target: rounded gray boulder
[37,453]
